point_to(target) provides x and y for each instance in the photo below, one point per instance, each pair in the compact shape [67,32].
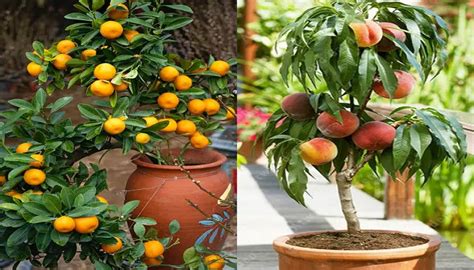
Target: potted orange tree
[355,50]
[155,103]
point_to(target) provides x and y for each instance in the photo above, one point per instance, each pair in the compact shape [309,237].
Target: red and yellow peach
[330,126]
[374,135]
[298,107]
[405,84]
[367,34]
[386,45]
[318,151]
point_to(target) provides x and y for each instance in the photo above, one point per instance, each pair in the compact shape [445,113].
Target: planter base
[421,257]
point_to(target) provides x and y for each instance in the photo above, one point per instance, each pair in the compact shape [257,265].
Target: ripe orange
[168,100]
[230,114]
[150,121]
[114,126]
[142,138]
[153,249]
[34,177]
[64,224]
[118,12]
[168,74]
[34,69]
[152,261]
[121,87]
[130,34]
[3,179]
[199,141]
[214,262]
[111,30]
[86,225]
[171,127]
[105,71]
[220,67]
[186,127]
[212,106]
[102,199]
[65,46]
[39,161]
[60,61]
[23,147]
[112,248]
[102,88]
[183,83]
[196,106]
[86,54]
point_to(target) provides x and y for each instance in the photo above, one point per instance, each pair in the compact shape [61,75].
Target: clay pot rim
[219,160]
[431,246]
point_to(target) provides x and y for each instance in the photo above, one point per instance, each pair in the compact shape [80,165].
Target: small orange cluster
[103,86]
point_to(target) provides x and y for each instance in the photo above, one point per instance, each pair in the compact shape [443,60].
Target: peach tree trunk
[344,184]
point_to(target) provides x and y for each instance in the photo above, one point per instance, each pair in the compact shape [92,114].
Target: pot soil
[371,250]
[163,191]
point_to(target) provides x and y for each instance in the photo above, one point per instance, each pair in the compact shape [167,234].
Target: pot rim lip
[431,246]
[220,159]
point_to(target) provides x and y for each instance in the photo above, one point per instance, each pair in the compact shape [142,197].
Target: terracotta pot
[163,191]
[421,257]
[251,150]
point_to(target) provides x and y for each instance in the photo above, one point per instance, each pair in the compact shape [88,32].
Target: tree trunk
[347,205]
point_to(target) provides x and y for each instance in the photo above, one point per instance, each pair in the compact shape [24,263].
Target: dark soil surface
[357,241]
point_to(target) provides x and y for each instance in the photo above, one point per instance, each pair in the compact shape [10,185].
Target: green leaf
[89,36]
[41,219]
[52,203]
[97,4]
[39,99]
[348,59]
[89,112]
[178,23]
[387,75]
[59,104]
[19,236]
[78,17]
[367,69]
[129,207]
[17,171]
[409,54]
[87,211]
[401,147]
[9,206]
[174,226]
[36,209]
[60,238]
[420,138]
[22,104]
[67,197]
[101,266]
[140,22]
[180,8]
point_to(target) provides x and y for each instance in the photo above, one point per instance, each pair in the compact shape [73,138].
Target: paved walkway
[265,212]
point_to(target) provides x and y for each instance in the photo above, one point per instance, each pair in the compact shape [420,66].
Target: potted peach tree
[344,53]
[143,99]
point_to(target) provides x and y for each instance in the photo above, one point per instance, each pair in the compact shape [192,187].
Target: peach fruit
[297,106]
[318,151]
[386,45]
[331,127]
[405,84]
[374,136]
[367,34]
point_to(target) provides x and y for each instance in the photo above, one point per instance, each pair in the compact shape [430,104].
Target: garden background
[446,202]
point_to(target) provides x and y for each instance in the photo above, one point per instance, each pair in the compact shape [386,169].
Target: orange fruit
[23,147]
[130,34]
[121,87]
[152,261]
[230,115]
[220,67]
[60,61]
[168,74]
[183,83]
[105,71]
[34,69]
[199,141]
[153,249]
[150,121]
[196,106]
[86,225]
[65,46]
[114,126]
[214,262]
[142,138]
[34,177]
[102,199]
[102,88]
[39,160]
[186,127]
[111,30]
[3,179]
[212,106]
[168,101]
[86,54]
[118,12]
[64,224]
[112,248]
[171,127]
